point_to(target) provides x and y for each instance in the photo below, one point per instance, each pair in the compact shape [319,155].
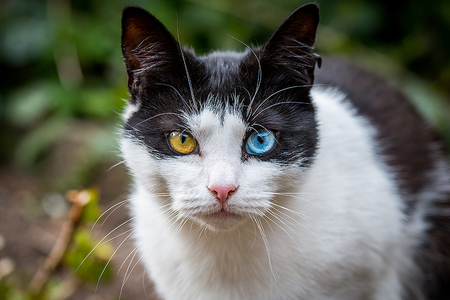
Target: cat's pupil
[260,139]
[183,138]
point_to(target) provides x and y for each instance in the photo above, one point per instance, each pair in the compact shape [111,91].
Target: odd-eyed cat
[253,180]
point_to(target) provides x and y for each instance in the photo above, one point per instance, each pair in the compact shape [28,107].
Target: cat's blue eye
[259,143]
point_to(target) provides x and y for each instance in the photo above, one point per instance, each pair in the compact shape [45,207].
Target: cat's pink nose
[222,192]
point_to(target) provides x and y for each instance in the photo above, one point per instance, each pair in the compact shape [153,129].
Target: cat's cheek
[140,162]
[186,183]
[259,183]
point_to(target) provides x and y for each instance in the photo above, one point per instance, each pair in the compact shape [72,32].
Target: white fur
[332,232]
[129,111]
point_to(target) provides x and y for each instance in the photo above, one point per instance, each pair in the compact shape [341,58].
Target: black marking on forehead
[224,76]
[273,81]
[222,71]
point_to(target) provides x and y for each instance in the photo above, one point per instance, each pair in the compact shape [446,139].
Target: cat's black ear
[291,44]
[147,45]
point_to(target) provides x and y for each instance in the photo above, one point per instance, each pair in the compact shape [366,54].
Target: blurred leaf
[92,210]
[433,106]
[100,102]
[39,140]
[58,289]
[24,40]
[8,292]
[30,103]
[5,290]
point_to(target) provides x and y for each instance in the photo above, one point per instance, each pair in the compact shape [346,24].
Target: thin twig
[78,199]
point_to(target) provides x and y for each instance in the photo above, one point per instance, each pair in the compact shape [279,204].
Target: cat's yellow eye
[182,142]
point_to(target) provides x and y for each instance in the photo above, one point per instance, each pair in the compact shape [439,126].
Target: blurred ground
[28,230]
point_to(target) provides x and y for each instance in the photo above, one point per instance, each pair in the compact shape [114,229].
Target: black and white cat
[252,180]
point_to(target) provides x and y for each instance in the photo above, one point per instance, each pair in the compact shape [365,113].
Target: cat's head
[219,136]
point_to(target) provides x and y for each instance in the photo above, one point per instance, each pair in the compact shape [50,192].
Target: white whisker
[279,103]
[152,117]
[114,207]
[281,227]
[194,102]
[266,243]
[115,165]
[273,94]
[258,83]
[299,223]
[171,86]
[128,271]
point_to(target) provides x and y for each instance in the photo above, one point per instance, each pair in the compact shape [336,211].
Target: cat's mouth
[220,220]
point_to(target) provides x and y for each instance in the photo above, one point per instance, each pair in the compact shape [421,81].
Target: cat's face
[218,136]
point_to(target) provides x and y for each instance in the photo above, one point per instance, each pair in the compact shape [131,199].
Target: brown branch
[78,199]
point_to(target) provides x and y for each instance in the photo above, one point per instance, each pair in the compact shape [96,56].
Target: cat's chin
[220,221]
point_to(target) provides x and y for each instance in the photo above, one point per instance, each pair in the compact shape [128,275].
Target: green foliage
[5,290]
[91,211]
[61,59]
[89,261]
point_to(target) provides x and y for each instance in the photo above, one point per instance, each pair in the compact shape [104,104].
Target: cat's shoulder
[407,142]
[415,155]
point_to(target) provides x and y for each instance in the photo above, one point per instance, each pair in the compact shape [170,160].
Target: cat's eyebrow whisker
[263,127]
[257,124]
[258,83]
[279,103]
[238,104]
[249,108]
[171,86]
[273,94]
[248,92]
[194,102]
[152,117]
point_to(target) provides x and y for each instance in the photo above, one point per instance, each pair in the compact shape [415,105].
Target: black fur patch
[272,82]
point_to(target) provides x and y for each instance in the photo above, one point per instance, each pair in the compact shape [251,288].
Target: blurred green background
[61,62]
[63,83]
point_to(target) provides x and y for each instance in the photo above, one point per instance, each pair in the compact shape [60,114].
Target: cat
[264,175]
